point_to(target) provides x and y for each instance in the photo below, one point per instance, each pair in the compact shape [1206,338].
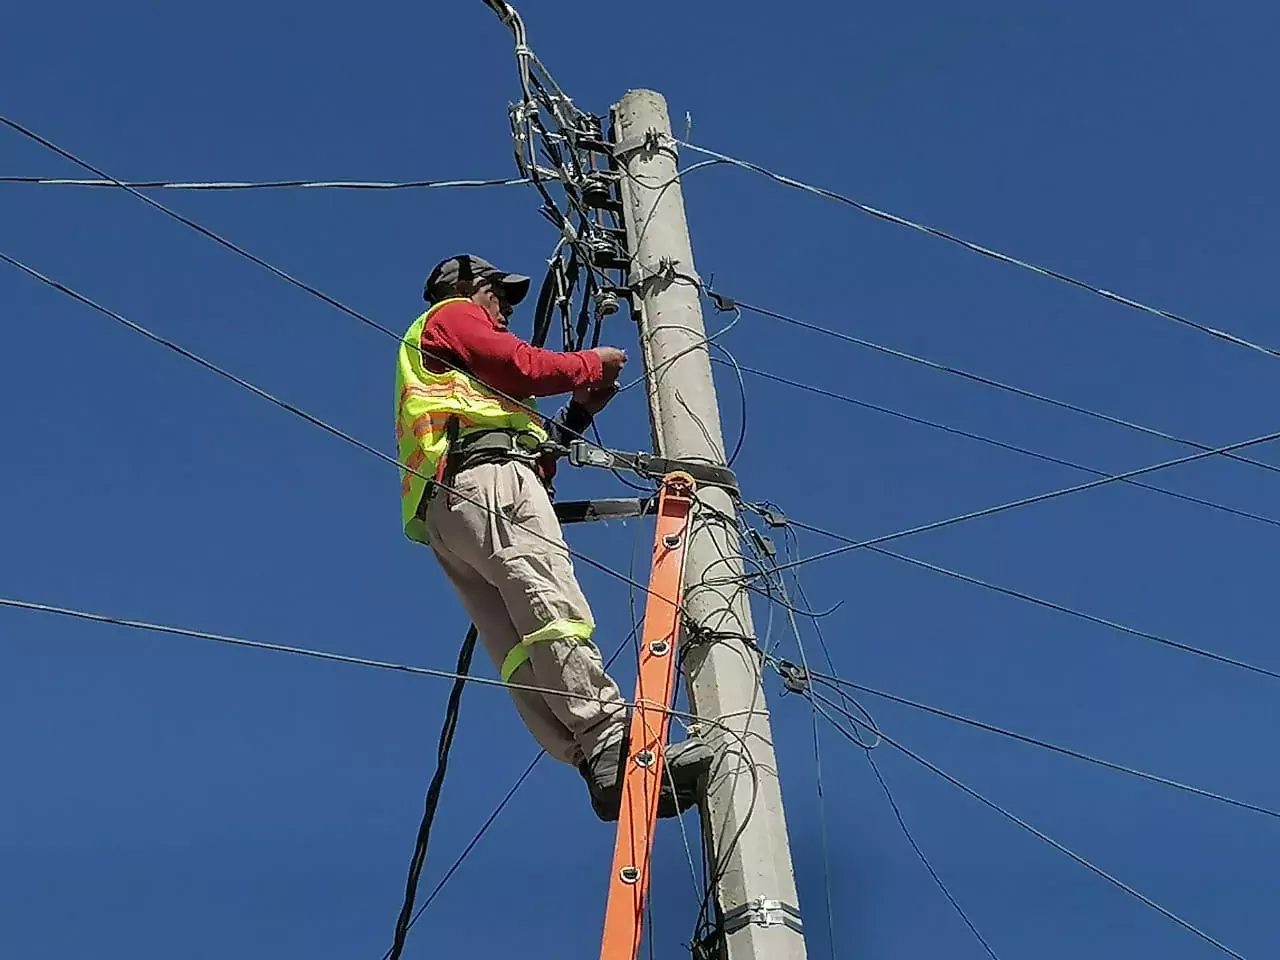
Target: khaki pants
[523,597]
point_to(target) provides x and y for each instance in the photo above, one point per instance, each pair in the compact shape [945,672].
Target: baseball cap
[465,267]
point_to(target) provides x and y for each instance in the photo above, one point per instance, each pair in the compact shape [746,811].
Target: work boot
[685,764]
[683,777]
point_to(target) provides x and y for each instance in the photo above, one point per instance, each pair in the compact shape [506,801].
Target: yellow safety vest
[424,403]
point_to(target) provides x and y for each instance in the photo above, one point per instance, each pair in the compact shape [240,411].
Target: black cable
[742,393]
[937,879]
[1047,604]
[270,184]
[297,411]
[837,683]
[241,251]
[990,441]
[433,792]
[999,385]
[1040,834]
[1041,497]
[635,627]
[715,871]
[542,307]
[985,251]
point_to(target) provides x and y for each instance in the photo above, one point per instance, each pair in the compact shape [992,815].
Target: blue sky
[164,793]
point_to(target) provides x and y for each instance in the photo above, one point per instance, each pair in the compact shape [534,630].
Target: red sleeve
[504,361]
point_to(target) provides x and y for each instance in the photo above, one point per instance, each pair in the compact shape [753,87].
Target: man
[465,416]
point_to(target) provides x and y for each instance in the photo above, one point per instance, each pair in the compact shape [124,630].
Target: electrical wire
[997,384]
[920,855]
[1041,602]
[241,251]
[144,625]
[270,184]
[709,629]
[510,794]
[433,792]
[383,665]
[1041,497]
[1034,831]
[990,441]
[342,435]
[984,251]
[291,408]
[762,556]
[839,683]
[868,748]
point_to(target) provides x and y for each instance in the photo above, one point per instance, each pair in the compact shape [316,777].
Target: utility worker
[468,420]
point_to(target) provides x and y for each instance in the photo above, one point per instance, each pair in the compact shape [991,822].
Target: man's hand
[594,399]
[612,360]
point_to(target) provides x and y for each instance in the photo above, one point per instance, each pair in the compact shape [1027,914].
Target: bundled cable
[433,793]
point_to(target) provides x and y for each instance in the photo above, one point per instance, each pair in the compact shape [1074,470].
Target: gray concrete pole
[743,819]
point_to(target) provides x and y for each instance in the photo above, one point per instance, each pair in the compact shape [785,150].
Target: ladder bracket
[585,454]
[621,508]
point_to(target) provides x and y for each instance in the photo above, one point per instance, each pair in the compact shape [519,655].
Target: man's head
[479,281]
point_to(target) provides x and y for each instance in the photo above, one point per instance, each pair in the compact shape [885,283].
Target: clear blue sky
[162,794]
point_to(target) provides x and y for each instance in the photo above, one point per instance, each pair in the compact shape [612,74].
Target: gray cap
[465,267]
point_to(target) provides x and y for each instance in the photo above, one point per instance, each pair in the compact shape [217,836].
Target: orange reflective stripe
[457,388]
[430,391]
[412,464]
[436,420]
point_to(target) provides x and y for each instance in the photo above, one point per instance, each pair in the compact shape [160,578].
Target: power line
[1034,831]
[515,787]
[1038,498]
[742,583]
[269,184]
[985,251]
[999,385]
[838,682]
[291,408]
[792,548]
[235,248]
[295,651]
[1047,458]
[868,748]
[937,879]
[1038,601]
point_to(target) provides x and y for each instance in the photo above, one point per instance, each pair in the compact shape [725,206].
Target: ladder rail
[655,684]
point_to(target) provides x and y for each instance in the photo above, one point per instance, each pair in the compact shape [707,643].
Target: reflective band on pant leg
[579,630]
[514,661]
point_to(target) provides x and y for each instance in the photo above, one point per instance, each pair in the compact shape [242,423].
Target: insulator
[597,192]
[606,303]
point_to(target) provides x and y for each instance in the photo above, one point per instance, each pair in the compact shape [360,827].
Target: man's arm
[570,423]
[502,360]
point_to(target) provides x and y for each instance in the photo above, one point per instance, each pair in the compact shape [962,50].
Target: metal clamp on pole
[584,454]
[760,911]
[765,913]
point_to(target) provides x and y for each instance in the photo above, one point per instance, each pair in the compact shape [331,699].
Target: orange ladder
[655,683]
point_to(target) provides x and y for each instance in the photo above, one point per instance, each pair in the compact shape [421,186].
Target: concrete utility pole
[756,890]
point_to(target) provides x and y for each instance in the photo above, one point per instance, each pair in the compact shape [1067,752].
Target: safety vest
[425,401]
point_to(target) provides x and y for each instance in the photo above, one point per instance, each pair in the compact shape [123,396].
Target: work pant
[499,542]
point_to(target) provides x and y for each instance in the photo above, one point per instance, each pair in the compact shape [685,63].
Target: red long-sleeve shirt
[464,333]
